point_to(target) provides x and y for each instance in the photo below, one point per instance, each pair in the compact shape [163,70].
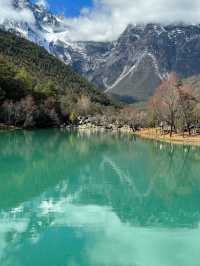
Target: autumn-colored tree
[166,101]
[83,104]
[28,108]
[67,104]
[174,103]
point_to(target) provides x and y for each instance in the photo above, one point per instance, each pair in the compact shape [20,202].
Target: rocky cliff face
[130,67]
[133,66]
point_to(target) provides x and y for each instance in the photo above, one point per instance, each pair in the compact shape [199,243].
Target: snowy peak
[33,22]
[144,54]
[43,17]
[131,66]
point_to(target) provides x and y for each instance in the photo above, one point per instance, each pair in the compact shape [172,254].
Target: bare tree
[134,117]
[166,101]
[29,108]
[187,103]
[83,105]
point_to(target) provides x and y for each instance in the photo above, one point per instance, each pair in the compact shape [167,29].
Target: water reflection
[96,234]
[97,201]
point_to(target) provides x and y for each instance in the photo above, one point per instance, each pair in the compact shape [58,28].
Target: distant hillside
[41,65]
[29,70]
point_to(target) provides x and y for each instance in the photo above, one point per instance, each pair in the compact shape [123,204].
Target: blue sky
[71,8]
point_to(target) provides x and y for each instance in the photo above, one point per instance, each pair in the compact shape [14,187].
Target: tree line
[175,106]
[38,90]
[27,101]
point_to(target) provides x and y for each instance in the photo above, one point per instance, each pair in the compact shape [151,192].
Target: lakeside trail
[154,134]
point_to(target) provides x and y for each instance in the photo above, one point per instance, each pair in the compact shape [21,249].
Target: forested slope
[35,82]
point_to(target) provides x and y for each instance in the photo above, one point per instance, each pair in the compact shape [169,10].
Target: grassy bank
[154,134]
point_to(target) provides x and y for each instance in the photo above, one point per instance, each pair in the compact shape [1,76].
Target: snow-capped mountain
[144,55]
[131,67]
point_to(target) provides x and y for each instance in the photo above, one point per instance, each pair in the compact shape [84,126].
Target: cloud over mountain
[8,12]
[42,3]
[108,18]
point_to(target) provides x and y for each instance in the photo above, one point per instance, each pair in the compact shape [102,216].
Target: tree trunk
[171,130]
[189,130]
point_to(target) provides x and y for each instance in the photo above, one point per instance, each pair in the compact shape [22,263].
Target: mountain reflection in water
[97,200]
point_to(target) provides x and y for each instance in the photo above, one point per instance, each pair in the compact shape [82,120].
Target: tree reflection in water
[98,192]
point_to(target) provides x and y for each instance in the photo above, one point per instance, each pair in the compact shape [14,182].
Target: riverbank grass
[155,134]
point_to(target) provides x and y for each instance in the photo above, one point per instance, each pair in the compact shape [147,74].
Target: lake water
[69,199]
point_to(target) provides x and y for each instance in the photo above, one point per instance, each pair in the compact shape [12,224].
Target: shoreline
[4,127]
[154,134]
[145,133]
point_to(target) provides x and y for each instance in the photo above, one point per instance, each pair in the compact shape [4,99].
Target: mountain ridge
[131,66]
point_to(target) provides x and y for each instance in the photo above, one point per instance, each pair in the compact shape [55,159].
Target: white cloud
[42,3]
[108,18]
[9,12]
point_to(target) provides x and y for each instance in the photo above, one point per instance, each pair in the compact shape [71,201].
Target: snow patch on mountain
[141,52]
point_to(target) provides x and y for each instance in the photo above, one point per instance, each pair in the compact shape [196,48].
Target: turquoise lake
[73,199]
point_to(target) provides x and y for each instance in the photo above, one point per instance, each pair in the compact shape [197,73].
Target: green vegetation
[38,90]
